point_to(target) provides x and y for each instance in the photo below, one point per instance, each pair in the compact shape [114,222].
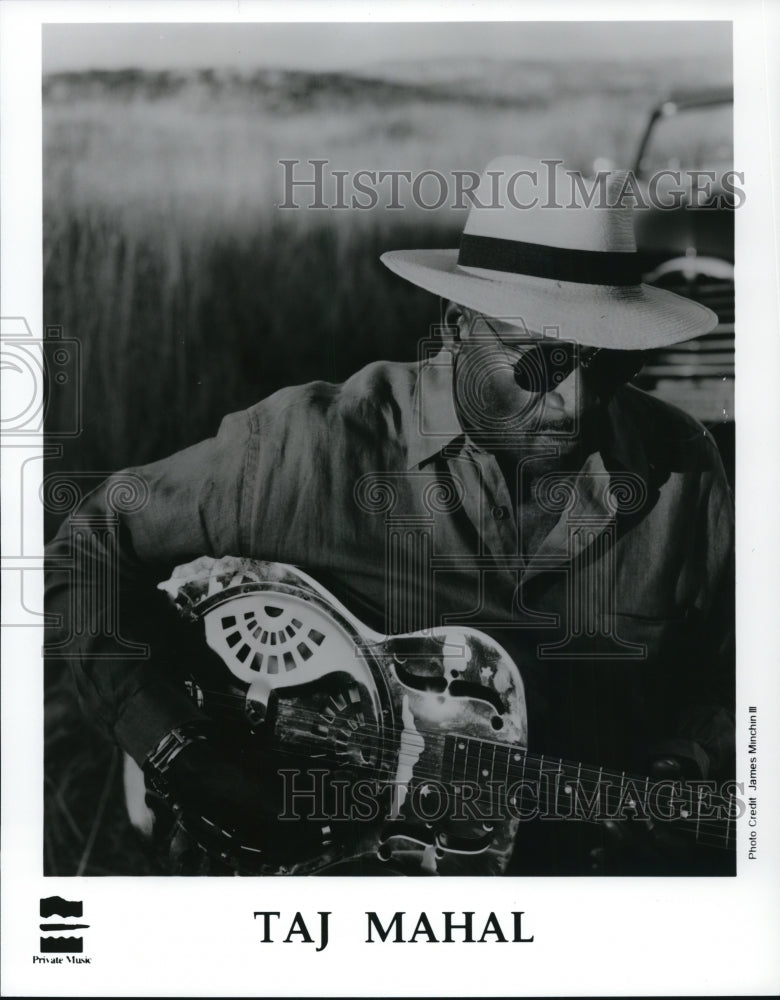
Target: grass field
[192,295]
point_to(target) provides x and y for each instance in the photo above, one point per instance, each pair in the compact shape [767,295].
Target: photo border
[156,936]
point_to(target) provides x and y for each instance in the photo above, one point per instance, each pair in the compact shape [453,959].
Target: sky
[355,45]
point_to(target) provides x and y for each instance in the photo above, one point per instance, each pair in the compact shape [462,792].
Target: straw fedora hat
[535,250]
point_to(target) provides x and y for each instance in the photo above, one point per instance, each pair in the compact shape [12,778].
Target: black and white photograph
[378,444]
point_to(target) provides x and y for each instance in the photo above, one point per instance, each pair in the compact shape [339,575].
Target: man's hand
[647,846]
[231,809]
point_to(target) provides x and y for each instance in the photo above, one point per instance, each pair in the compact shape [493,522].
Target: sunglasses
[541,366]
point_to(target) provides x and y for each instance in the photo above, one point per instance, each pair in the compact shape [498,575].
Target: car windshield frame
[670,109]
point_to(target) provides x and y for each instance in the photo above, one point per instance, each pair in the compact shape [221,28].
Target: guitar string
[381,744]
[704,835]
[377,741]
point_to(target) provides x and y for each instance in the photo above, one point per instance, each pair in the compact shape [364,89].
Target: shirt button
[499,513]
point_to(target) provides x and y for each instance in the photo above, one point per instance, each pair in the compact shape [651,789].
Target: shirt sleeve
[110,623]
[704,689]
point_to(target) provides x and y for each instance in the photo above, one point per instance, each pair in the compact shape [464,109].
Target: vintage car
[689,249]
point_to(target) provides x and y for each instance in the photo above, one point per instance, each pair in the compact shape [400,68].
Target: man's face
[511,384]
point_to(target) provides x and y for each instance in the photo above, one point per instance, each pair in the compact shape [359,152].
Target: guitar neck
[528,786]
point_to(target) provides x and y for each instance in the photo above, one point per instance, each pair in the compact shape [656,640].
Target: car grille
[697,375]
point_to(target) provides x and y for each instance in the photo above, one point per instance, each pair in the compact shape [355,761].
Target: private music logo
[57,941]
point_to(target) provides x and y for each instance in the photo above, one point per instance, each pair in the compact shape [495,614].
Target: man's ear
[456,320]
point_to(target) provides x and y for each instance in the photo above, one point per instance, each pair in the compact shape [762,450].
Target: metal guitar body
[395,745]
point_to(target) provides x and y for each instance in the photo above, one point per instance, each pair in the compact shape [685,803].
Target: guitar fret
[506,779]
[492,771]
[449,756]
[467,748]
[731,823]
[522,777]
[698,817]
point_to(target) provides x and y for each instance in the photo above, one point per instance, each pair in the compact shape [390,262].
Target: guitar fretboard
[511,781]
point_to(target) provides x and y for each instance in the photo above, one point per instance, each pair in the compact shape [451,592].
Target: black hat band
[586,267]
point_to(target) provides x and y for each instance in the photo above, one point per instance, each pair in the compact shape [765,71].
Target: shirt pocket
[663,636]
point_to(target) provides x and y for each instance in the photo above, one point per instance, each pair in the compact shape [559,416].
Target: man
[583,524]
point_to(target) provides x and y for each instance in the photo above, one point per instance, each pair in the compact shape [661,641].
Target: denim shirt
[620,618]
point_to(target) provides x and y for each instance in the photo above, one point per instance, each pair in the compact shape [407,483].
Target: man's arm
[102,569]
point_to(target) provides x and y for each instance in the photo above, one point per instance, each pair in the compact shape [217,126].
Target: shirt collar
[434,421]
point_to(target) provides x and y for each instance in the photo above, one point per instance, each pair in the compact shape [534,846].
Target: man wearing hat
[540,498]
